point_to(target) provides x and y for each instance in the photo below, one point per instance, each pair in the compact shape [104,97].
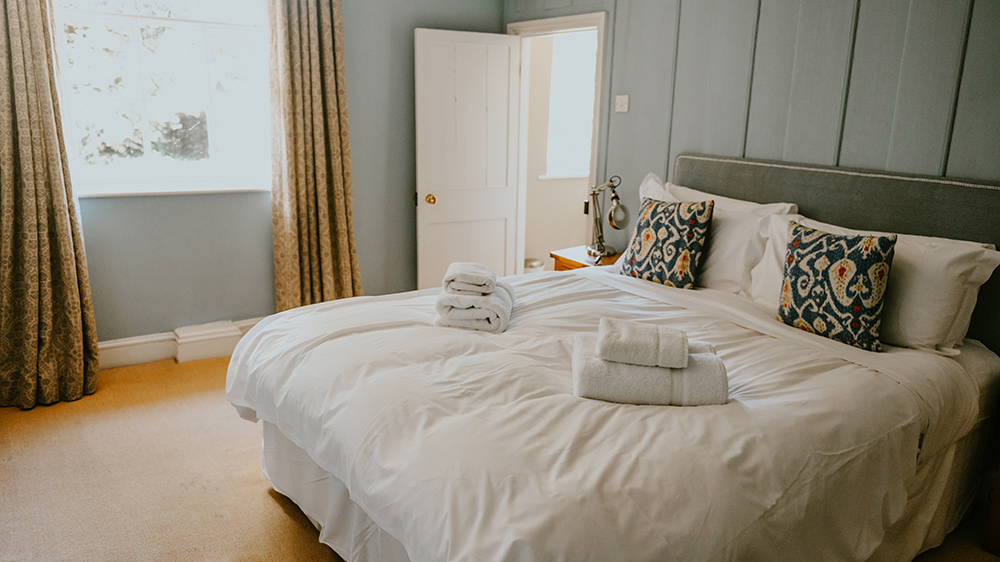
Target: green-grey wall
[898,85]
[888,84]
[160,262]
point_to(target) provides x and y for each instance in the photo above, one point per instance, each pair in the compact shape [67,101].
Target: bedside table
[576,257]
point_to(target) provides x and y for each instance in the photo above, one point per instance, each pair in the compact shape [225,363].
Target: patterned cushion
[834,284]
[667,242]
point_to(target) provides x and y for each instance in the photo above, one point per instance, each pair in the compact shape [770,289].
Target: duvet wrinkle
[805,485]
[652,524]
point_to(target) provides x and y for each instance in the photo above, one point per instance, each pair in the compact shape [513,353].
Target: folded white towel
[469,278]
[490,313]
[625,341]
[697,348]
[703,382]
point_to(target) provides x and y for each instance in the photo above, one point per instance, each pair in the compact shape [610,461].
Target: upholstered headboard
[865,199]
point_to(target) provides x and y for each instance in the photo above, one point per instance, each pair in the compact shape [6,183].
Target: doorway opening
[561,61]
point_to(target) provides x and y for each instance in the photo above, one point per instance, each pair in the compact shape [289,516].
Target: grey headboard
[865,199]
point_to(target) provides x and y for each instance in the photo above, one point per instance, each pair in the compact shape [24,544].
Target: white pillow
[734,242]
[652,187]
[932,291]
[682,193]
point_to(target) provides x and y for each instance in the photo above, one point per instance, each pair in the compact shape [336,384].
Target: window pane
[183,9]
[237,138]
[97,58]
[233,64]
[179,135]
[235,12]
[571,104]
[107,132]
[173,61]
[112,6]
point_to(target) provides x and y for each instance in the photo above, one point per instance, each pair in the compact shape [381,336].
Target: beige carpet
[157,466]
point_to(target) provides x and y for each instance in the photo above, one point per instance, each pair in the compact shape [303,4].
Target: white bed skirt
[324,499]
[944,487]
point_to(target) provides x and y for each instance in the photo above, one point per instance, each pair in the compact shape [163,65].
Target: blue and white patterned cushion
[667,242]
[834,284]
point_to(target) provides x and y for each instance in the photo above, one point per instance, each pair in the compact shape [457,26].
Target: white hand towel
[469,278]
[489,313]
[625,341]
[704,382]
[596,378]
[697,347]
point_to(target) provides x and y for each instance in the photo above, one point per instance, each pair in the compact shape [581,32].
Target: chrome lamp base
[599,250]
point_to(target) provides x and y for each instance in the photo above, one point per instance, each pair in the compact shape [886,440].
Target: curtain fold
[314,254]
[48,338]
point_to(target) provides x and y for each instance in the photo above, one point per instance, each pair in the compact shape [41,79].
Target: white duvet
[471,446]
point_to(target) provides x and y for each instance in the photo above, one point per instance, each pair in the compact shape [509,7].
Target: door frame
[536,28]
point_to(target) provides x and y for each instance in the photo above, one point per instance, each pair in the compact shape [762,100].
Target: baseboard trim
[187,343]
[245,325]
[138,349]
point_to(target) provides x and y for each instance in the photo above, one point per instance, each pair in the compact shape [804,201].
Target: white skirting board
[216,339]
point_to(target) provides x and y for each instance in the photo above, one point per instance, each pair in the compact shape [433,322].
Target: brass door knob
[431,199]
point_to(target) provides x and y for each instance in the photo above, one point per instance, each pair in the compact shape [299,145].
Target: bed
[404,441]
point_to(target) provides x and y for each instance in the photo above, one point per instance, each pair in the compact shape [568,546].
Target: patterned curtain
[314,255]
[48,339]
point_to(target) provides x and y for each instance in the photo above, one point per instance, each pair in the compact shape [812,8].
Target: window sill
[95,191]
[546,177]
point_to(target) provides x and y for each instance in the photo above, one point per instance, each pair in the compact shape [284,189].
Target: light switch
[621,104]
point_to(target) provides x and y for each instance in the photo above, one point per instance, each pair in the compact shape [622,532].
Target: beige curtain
[314,255]
[48,339]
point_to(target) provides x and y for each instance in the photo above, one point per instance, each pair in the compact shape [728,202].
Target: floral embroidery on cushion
[667,242]
[802,325]
[834,285]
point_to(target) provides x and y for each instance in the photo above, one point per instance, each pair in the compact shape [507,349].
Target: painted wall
[157,263]
[895,85]
[160,262]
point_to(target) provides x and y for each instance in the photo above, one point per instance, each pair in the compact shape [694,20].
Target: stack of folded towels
[474,298]
[634,363]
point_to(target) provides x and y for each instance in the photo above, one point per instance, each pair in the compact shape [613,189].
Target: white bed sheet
[944,486]
[470,446]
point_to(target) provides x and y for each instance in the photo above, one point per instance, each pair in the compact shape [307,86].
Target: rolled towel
[625,341]
[489,313]
[703,382]
[469,278]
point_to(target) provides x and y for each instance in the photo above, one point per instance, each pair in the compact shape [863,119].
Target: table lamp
[617,217]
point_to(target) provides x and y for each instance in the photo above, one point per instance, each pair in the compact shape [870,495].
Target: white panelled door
[467,118]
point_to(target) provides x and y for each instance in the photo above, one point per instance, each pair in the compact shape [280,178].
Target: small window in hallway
[571,104]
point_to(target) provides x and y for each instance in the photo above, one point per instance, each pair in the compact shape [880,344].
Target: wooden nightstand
[576,257]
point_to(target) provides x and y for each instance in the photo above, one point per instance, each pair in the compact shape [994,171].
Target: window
[571,104]
[164,95]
